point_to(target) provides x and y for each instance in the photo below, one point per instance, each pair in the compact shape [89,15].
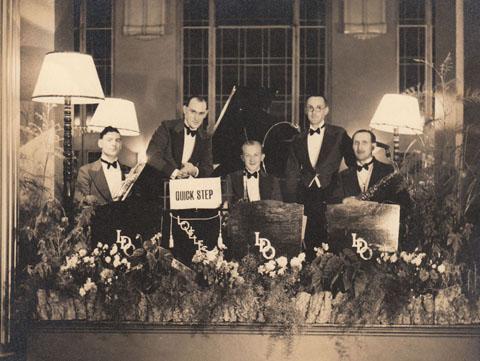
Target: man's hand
[350,200]
[189,169]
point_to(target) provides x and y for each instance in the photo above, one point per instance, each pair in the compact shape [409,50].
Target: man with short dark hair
[103,178]
[181,148]
[367,172]
[314,159]
[252,183]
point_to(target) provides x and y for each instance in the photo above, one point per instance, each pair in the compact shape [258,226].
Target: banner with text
[194,193]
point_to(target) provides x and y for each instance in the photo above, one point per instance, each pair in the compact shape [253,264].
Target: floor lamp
[398,114]
[68,78]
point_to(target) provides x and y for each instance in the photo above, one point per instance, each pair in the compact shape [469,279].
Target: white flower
[71,262]
[106,273]
[108,259]
[393,258]
[198,256]
[261,269]
[211,256]
[282,271]
[113,250]
[434,266]
[116,261]
[96,252]
[325,246]
[417,261]
[270,265]
[82,291]
[301,256]
[318,251]
[282,261]
[441,268]
[99,244]
[82,252]
[89,285]
[296,262]
[105,246]
[272,274]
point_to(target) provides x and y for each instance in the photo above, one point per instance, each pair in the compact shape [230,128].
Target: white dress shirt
[113,177]
[364,175]
[188,145]
[252,185]
[314,144]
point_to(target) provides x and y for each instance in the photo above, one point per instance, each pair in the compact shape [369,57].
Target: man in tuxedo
[103,178]
[365,174]
[181,148]
[252,183]
[313,163]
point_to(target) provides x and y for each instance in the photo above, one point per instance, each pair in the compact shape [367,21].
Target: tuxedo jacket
[165,149]
[91,180]
[268,184]
[347,183]
[336,145]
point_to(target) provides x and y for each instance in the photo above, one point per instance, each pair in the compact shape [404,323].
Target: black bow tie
[191,131]
[250,175]
[312,132]
[112,164]
[364,166]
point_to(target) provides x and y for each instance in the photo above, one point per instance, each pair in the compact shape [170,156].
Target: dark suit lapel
[264,185]
[303,144]
[328,144]
[99,180]
[352,180]
[237,184]
[197,148]
[377,174]
[178,138]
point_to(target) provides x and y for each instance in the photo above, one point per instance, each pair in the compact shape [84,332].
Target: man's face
[316,110]
[252,157]
[195,113]
[363,146]
[110,144]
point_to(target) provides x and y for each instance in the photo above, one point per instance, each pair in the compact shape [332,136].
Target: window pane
[253,12]
[99,13]
[99,43]
[195,12]
[195,74]
[412,12]
[312,12]
[76,13]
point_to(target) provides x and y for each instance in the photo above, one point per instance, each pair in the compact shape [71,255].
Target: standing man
[103,178]
[252,183]
[312,165]
[181,148]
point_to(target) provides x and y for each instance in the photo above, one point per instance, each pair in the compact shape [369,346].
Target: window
[256,44]
[415,32]
[93,35]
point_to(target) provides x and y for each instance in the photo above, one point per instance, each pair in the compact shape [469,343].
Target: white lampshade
[68,74]
[115,112]
[398,111]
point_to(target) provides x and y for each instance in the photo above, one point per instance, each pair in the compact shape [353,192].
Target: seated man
[365,174]
[252,183]
[103,178]
[365,178]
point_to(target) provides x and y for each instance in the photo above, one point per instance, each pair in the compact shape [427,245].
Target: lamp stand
[396,145]
[68,161]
